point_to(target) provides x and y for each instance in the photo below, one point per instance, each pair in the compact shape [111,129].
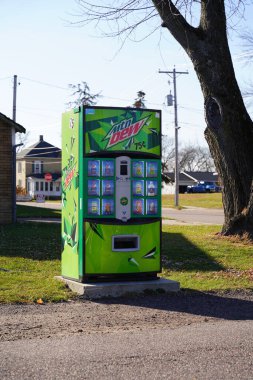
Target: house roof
[12,123]
[55,176]
[195,176]
[41,149]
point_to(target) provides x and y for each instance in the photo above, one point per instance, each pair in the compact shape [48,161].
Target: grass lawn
[29,260]
[37,212]
[212,200]
[195,256]
[200,259]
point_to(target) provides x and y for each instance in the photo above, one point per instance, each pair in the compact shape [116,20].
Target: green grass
[29,260]
[213,200]
[200,259]
[37,212]
[193,255]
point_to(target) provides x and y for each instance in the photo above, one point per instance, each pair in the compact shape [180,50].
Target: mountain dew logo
[124,130]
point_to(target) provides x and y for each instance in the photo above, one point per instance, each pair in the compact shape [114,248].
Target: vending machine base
[96,290]
[119,278]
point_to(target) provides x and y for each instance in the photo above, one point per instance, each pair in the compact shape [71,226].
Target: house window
[19,167]
[41,186]
[37,186]
[57,186]
[37,167]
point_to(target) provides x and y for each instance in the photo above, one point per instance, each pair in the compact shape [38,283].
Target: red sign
[48,177]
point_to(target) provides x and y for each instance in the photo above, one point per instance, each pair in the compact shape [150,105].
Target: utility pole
[14,147]
[15,82]
[174,73]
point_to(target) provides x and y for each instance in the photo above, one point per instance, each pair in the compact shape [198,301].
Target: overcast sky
[39,45]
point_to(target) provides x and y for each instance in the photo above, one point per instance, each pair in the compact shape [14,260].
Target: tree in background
[196,158]
[168,153]
[229,130]
[191,157]
[140,100]
[83,96]
[22,138]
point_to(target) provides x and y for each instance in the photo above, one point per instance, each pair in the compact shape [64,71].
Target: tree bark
[229,131]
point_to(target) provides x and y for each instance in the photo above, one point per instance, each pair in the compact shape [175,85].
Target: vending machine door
[123,188]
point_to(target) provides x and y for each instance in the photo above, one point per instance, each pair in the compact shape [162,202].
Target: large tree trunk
[229,131]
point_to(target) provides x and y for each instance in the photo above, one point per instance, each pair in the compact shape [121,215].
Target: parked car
[203,187]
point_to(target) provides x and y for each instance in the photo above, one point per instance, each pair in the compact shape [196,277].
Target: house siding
[34,182]
[6,208]
[21,177]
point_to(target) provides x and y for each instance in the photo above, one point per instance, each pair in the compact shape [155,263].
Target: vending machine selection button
[124,201]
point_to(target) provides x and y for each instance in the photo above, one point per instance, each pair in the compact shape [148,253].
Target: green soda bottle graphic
[138,188]
[138,170]
[94,207]
[152,170]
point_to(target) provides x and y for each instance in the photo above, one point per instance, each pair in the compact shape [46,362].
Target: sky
[40,44]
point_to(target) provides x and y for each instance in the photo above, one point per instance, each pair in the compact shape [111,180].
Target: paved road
[193,215]
[189,215]
[212,350]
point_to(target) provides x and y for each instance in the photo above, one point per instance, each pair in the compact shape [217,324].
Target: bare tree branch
[82,95]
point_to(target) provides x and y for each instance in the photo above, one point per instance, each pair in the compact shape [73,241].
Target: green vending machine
[111,193]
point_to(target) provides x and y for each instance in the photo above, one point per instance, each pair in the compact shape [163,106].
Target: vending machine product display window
[152,169]
[138,168]
[102,186]
[107,168]
[93,187]
[151,188]
[111,201]
[107,187]
[138,188]
[93,168]
[145,184]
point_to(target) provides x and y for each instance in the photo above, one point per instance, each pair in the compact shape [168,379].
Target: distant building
[187,178]
[38,170]
[8,129]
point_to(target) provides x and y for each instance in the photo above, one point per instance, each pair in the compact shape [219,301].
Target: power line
[102,96]
[192,125]
[45,83]
[197,110]
[5,78]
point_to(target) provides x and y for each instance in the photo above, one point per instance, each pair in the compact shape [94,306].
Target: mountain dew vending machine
[111,193]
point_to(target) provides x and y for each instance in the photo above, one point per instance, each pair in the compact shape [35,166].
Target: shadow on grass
[178,253]
[37,241]
[37,212]
[193,302]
